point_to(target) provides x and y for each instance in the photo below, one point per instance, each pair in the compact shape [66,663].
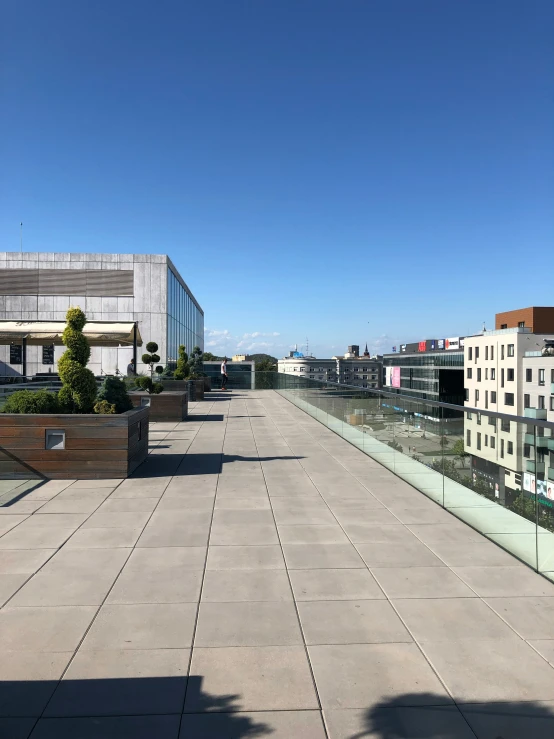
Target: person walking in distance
[224,376]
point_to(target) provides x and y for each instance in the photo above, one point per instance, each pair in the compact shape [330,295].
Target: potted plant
[171,406]
[78,432]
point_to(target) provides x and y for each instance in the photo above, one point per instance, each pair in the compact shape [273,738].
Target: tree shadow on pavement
[429,716]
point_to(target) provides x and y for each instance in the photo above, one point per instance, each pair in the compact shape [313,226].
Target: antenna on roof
[484,327]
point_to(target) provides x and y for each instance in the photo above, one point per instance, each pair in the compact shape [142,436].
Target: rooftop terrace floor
[261,576]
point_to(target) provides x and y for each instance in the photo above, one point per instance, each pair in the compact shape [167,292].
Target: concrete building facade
[143,288]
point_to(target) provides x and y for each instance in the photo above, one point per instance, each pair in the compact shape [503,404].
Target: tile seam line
[409,631]
[95,616]
[205,568]
[299,621]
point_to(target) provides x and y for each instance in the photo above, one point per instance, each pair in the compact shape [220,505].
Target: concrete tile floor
[260,576]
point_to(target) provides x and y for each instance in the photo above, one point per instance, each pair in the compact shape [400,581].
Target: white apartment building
[495,370]
[364,371]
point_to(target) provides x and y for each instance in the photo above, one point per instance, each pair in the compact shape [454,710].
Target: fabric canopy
[98,333]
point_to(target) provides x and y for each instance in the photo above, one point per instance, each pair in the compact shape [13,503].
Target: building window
[541,377]
[476,353]
[478,374]
[502,377]
[476,397]
[503,325]
[502,448]
[478,419]
[486,354]
[508,398]
[528,375]
[521,324]
[493,396]
[502,352]
[469,416]
[469,353]
[468,437]
[552,406]
[526,400]
[510,350]
[505,425]
[478,440]
[541,404]
[510,374]
[469,373]
[492,352]
[510,447]
[486,373]
[466,392]
[493,442]
[493,373]
[486,439]
[527,451]
[552,375]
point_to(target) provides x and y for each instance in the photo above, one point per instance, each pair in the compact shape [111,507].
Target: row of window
[490,441]
[541,402]
[510,352]
[541,377]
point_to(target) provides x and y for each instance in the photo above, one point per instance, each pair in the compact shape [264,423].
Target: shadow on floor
[429,716]
[141,708]
[163,465]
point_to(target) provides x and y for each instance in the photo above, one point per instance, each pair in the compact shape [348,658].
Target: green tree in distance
[458,450]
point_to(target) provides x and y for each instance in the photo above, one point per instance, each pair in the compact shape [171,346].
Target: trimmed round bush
[114,391]
[32,401]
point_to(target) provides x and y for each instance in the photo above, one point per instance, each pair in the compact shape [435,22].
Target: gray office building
[125,290]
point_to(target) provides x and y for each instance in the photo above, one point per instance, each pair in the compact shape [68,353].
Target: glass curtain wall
[185,320]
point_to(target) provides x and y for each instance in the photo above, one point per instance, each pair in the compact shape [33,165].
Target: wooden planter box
[94,446]
[196,389]
[167,406]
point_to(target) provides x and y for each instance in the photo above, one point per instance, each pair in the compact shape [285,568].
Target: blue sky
[377,170]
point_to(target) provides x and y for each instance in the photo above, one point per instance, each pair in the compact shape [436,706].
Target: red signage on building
[421,346]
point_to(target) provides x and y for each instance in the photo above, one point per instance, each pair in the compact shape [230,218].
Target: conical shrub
[78,392]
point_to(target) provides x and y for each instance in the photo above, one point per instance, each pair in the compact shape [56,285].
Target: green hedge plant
[78,392]
[32,401]
[114,391]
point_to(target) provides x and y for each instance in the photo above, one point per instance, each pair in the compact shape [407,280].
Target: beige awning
[99,333]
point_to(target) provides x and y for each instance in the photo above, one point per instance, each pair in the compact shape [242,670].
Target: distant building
[352,370]
[537,320]
[239,357]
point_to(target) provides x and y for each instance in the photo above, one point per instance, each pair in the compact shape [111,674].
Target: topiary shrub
[196,364]
[114,391]
[151,358]
[102,407]
[31,401]
[152,388]
[78,391]
[183,367]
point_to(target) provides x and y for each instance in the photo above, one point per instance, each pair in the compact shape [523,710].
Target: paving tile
[39,537]
[186,504]
[62,520]
[229,504]
[408,554]
[483,671]
[21,508]
[227,534]
[321,556]
[78,505]
[373,533]
[103,538]
[380,721]
[177,529]
[122,683]
[165,583]
[290,515]
[146,626]
[113,727]
[421,582]
[431,513]
[245,558]
[505,581]
[243,517]
[57,629]
[331,584]
[10,584]
[16,728]
[343,504]
[221,586]
[308,534]
[128,505]
[511,720]
[351,622]
[544,647]
[450,532]
[448,619]
[347,516]
[360,675]
[256,678]
[130,520]
[531,617]
[28,680]
[247,624]
[280,724]
[459,554]
[23,561]
[9,522]
[77,577]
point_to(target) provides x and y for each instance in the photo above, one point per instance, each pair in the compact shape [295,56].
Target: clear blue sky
[379,169]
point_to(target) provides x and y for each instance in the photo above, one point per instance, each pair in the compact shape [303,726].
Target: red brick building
[539,320]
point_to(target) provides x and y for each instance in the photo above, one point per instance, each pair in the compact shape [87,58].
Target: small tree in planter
[151,358]
[146,383]
[196,364]
[78,391]
[183,367]
[113,392]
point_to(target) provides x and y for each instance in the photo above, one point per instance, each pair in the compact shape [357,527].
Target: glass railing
[491,470]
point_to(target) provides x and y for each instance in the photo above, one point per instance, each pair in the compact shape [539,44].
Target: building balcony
[539,414]
[539,442]
[537,468]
